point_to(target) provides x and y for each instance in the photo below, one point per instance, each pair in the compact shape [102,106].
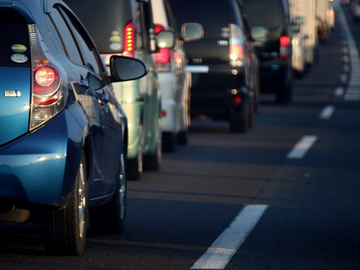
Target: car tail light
[284,47]
[46,82]
[331,14]
[48,95]
[163,56]
[236,44]
[129,40]
[238,100]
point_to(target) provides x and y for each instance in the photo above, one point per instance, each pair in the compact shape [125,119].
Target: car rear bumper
[41,167]
[168,101]
[215,89]
[274,76]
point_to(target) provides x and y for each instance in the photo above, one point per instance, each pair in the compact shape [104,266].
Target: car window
[14,43]
[214,25]
[144,24]
[262,12]
[171,17]
[106,22]
[85,43]
[67,40]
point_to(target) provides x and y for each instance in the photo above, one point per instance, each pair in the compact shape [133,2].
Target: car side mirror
[192,31]
[165,40]
[259,34]
[126,68]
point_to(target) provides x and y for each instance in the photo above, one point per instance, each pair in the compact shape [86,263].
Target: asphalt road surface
[284,196]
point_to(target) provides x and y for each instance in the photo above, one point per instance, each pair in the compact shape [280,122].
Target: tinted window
[14,45]
[66,37]
[88,50]
[105,22]
[215,16]
[268,13]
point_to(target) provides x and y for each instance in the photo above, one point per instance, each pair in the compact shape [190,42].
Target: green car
[125,27]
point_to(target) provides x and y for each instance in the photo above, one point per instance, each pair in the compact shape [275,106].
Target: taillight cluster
[284,47]
[46,83]
[236,44]
[48,95]
[163,56]
[129,40]
[330,13]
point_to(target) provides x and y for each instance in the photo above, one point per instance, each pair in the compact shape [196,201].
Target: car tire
[135,165]
[152,162]
[65,228]
[182,137]
[239,122]
[109,218]
[168,142]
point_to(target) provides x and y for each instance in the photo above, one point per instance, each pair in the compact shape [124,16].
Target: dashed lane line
[302,147]
[226,245]
[327,112]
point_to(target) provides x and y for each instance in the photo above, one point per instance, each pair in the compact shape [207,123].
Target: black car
[223,64]
[275,55]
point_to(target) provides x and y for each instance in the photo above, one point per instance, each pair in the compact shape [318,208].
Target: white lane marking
[226,245]
[343,78]
[339,91]
[327,112]
[301,148]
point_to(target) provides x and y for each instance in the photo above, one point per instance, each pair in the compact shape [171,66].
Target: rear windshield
[268,13]
[14,44]
[215,16]
[105,20]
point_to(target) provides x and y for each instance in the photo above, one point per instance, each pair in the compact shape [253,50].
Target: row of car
[312,22]
[64,136]
[94,93]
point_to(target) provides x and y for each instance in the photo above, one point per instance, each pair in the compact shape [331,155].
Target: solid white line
[226,245]
[327,112]
[301,148]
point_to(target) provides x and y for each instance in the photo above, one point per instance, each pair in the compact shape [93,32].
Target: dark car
[223,64]
[63,135]
[275,55]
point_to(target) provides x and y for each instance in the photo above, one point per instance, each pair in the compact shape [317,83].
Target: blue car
[63,136]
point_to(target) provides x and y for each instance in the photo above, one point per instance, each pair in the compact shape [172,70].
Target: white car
[175,82]
[356,10]
[298,47]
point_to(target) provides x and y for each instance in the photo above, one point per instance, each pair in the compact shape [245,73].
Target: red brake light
[163,55]
[46,83]
[284,41]
[330,14]
[129,40]
[236,51]
[238,100]
[284,47]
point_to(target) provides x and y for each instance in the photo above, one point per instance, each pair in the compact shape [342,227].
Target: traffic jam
[179,134]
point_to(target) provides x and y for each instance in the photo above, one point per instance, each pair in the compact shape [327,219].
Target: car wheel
[239,122]
[65,228]
[152,162]
[168,142]
[182,137]
[109,218]
[135,165]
